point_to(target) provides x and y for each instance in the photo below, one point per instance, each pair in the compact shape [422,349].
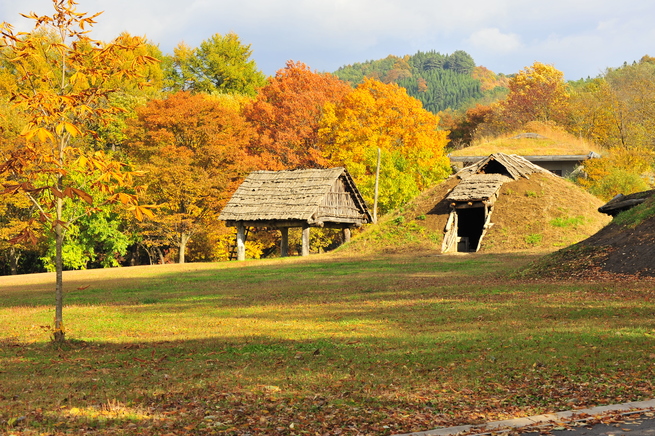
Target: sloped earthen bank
[626,247]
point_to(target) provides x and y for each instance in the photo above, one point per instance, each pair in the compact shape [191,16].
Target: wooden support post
[284,242]
[346,235]
[305,240]
[241,241]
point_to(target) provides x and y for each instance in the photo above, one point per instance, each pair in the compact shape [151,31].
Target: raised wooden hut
[472,200]
[299,198]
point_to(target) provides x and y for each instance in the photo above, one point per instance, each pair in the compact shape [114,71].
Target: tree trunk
[184,238]
[150,255]
[14,257]
[162,259]
[59,334]
[134,255]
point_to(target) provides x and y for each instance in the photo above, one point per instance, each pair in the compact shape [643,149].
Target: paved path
[630,425]
[639,427]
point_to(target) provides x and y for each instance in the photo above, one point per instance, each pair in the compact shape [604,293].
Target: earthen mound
[542,212]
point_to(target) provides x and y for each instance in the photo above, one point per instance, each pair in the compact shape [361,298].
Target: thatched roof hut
[477,187]
[298,198]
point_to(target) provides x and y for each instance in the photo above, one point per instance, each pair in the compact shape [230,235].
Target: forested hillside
[439,81]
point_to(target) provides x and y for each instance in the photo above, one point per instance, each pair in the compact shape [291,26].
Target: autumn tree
[61,78]
[193,148]
[463,126]
[631,102]
[221,64]
[401,70]
[595,113]
[287,113]
[488,79]
[536,93]
[16,212]
[617,111]
[129,92]
[377,115]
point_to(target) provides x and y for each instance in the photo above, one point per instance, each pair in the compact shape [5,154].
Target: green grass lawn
[328,344]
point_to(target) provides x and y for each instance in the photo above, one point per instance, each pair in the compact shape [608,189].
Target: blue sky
[579,37]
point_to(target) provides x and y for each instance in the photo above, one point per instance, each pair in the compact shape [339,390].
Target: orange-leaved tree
[193,147]
[287,113]
[61,76]
[16,213]
[463,127]
[377,115]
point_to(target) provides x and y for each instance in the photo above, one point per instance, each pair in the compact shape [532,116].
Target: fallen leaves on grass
[272,410]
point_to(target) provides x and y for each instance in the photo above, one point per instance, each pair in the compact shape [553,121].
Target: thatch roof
[482,180]
[511,165]
[477,187]
[312,196]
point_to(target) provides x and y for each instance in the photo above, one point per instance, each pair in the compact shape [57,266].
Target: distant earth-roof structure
[561,157]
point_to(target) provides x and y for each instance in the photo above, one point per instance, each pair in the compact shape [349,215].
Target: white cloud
[493,40]
[607,25]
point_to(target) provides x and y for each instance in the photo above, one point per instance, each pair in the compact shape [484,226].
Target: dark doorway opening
[495,167]
[470,225]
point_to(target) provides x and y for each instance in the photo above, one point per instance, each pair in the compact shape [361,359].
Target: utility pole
[377,184]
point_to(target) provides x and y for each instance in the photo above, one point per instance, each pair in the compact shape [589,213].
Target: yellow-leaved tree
[536,93]
[62,86]
[622,170]
[382,116]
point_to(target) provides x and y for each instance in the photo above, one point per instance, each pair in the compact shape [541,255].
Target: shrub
[621,171]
